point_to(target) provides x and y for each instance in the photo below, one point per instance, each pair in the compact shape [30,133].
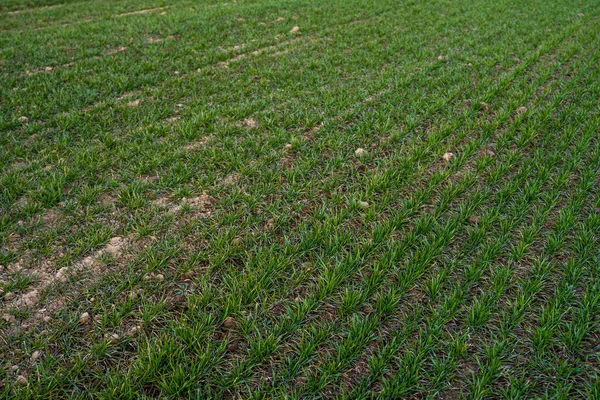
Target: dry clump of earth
[447,156]
[9,296]
[474,220]
[21,380]
[229,323]
[230,179]
[36,355]
[62,274]
[360,152]
[250,123]
[29,299]
[159,277]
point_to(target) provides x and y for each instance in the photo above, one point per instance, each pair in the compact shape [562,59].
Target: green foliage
[196,166]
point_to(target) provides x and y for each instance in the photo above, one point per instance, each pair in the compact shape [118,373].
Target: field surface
[299,198]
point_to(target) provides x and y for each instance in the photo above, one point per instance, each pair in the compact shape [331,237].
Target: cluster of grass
[275,198]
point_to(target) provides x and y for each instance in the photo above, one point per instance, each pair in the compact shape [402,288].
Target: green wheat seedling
[293,199]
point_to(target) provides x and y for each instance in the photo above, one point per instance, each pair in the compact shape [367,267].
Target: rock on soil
[85,318]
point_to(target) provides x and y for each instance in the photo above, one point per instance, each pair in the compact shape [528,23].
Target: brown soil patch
[146,11]
[200,206]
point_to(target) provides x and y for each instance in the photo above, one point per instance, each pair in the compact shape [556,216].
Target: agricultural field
[260,199]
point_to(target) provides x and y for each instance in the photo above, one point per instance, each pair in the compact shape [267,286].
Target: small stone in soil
[84,318]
